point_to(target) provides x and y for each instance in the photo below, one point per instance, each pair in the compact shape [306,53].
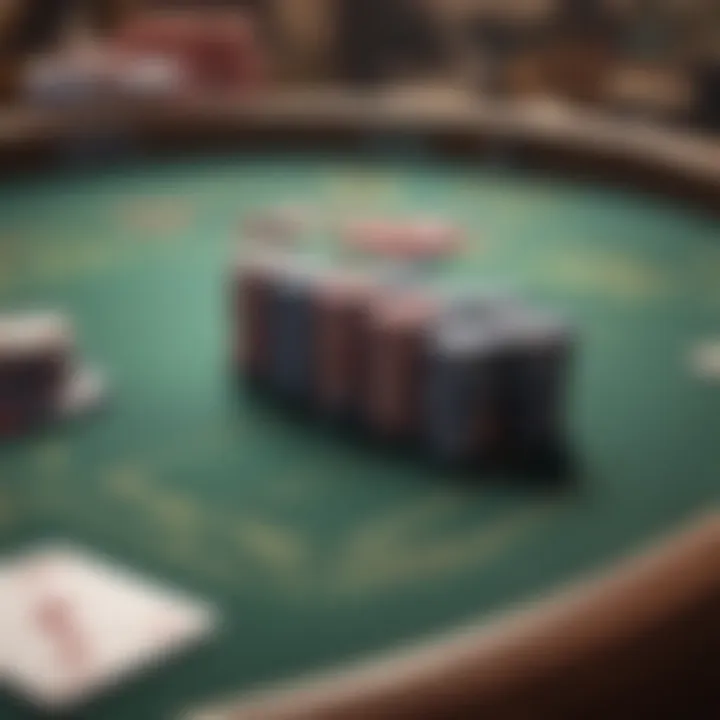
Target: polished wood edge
[571,141]
[502,657]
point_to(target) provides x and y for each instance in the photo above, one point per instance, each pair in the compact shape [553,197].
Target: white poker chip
[34,333]
[85,391]
[462,340]
[531,330]
[705,360]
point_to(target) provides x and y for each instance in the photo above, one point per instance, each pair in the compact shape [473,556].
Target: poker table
[338,566]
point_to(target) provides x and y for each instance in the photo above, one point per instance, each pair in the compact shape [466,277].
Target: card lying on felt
[73,624]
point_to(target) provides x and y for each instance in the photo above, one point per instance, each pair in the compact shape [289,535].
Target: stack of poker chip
[255,281]
[343,307]
[460,393]
[467,378]
[293,330]
[496,380]
[41,379]
[536,357]
[400,322]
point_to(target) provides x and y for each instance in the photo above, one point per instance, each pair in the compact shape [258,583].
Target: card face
[74,624]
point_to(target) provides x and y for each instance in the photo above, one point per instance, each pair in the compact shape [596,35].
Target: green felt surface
[316,550]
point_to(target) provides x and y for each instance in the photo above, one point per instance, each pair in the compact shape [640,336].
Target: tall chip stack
[293,331]
[343,316]
[253,286]
[399,334]
[460,408]
[538,352]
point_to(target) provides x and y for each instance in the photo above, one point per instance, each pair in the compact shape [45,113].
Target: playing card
[73,624]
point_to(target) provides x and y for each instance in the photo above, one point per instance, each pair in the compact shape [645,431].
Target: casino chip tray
[73,624]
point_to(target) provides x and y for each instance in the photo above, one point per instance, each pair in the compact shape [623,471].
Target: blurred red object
[404,239]
[218,50]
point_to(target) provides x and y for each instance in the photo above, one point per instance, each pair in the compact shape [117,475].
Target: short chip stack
[34,362]
[40,377]
[467,379]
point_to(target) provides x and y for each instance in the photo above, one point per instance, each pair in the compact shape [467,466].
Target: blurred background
[657,59]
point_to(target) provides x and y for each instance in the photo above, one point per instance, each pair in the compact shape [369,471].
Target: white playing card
[73,624]
[705,360]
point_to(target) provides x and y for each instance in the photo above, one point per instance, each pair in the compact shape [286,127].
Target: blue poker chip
[292,327]
[459,395]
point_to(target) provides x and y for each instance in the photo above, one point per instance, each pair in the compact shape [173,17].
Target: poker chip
[417,239]
[475,304]
[32,334]
[538,349]
[35,354]
[40,378]
[342,307]
[397,347]
[292,329]
[460,400]
[254,283]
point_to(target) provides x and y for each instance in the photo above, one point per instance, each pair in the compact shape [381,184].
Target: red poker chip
[397,342]
[404,239]
[252,288]
[341,305]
